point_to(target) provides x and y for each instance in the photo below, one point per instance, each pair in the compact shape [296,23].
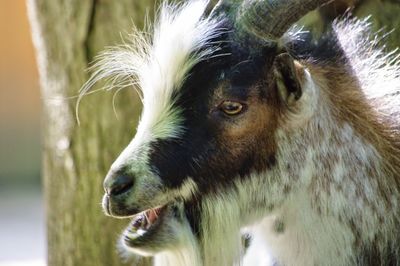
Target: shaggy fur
[320,184]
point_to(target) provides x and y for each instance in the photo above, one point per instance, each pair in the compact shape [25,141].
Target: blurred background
[22,231]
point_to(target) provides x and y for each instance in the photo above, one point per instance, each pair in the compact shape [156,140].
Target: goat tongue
[152,215]
[146,219]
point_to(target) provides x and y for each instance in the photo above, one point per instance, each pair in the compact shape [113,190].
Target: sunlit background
[22,231]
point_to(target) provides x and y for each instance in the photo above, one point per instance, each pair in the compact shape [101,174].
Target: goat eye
[231,108]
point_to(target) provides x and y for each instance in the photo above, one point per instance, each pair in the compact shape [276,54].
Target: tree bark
[67,34]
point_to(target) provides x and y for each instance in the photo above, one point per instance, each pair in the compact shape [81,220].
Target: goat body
[298,150]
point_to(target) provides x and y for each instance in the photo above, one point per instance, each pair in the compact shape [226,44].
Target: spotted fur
[314,180]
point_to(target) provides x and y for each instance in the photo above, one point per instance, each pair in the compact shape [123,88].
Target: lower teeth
[141,222]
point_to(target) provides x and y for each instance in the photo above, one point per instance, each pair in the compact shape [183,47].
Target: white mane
[158,60]
[377,71]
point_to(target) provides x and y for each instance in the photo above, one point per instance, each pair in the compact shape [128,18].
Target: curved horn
[226,7]
[270,19]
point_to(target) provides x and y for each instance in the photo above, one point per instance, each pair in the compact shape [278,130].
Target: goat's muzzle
[117,188]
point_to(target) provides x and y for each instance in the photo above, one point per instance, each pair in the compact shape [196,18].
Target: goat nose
[119,185]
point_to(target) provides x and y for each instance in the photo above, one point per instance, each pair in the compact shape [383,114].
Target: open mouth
[144,223]
[154,230]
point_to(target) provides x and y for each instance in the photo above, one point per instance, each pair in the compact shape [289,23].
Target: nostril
[120,185]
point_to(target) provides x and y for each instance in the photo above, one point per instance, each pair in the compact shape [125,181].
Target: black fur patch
[325,50]
[194,154]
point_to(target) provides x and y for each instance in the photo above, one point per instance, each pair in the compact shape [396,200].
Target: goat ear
[289,75]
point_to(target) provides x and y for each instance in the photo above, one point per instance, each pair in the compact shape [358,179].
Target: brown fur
[350,105]
[347,99]
[253,129]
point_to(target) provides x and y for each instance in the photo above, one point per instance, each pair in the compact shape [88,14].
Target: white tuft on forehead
[158,63]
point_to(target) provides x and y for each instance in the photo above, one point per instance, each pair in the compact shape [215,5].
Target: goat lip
[113,209]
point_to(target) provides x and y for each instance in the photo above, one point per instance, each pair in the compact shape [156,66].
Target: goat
[249,127]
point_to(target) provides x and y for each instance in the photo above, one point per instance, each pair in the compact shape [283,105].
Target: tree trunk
[67,34]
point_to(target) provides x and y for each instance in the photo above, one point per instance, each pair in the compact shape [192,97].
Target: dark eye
[231,107]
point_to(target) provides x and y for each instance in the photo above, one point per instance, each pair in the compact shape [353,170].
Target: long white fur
[187,252]
[378,71]
[158,63]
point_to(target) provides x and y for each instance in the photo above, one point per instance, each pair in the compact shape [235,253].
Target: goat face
[211,109]
[220,130]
